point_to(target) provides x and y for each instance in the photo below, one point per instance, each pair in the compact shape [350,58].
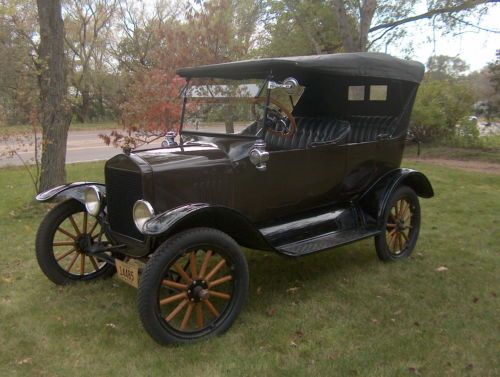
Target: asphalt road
[83,146]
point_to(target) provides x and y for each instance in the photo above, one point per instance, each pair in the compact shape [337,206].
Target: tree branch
[451,9]
[496,31]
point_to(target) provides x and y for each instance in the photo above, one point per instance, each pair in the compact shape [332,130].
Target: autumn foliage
[153,105]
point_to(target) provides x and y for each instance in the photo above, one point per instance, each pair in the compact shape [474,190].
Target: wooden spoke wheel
[401,225]
[63,240]
[193,286]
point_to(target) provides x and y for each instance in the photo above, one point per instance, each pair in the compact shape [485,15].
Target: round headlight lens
[141,213]
[92,198]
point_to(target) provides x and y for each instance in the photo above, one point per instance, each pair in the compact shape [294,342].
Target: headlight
[93,200]
[141,213]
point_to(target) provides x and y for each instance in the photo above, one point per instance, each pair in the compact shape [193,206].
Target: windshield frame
[184,92]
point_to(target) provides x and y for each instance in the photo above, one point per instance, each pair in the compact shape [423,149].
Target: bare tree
[88,30]
[355,17]
[55,114]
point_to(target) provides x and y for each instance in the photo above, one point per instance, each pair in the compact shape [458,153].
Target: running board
[326,241]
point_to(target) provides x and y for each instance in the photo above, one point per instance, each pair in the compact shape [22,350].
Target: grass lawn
[350,316]
[490,152]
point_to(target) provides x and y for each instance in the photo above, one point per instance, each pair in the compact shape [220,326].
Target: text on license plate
[128,272]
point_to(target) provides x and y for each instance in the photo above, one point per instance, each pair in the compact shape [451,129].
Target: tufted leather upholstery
[309,130]
[367,128]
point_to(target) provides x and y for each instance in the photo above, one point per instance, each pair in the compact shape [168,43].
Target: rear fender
[70,191]
[374,201]
[222,218]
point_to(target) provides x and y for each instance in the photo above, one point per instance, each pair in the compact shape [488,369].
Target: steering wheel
[279,120]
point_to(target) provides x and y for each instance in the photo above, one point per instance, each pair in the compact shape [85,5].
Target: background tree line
[120,56]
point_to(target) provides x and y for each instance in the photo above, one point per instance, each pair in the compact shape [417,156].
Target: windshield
[230,107]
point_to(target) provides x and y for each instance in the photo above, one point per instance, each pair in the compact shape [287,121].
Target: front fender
[375,199]
[218,217]
[73,190]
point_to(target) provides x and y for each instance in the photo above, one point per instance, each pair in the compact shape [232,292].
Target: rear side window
[356,93]
[378,92]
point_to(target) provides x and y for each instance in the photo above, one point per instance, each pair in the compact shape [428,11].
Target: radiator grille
[123,189]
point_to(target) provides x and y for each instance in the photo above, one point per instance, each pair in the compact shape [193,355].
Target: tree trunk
[344,27]
[365,21]
[55,115]
[85,108]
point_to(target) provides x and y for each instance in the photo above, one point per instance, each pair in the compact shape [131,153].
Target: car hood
[197,156]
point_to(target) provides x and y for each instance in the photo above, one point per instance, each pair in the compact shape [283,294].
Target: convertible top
[358,64]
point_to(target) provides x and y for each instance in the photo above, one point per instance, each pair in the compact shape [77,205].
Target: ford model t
[290,155]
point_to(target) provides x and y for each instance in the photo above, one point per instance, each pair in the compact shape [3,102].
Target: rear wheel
[401,225]
[193,286]
[61,242]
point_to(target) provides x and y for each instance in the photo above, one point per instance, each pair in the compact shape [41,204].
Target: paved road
[82,146]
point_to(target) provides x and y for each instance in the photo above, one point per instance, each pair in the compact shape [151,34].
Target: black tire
[401,227]
[56,230]
[160,277]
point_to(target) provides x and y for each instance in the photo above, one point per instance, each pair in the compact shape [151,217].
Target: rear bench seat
[367,128]
[309,131]
[317,130]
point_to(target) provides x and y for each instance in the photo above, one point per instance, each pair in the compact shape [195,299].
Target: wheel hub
[400,224]
[83,242]
[198,291]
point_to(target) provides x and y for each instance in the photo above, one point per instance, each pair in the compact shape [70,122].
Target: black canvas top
[364,64]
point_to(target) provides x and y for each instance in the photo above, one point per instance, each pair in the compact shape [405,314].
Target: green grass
[489,153]
[351,316]
[13,130]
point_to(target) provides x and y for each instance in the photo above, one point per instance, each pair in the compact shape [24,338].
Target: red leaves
[152,100]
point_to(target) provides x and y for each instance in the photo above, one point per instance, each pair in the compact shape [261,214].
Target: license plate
[128,272]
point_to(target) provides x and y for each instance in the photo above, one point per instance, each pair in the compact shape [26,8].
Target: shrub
[439,106]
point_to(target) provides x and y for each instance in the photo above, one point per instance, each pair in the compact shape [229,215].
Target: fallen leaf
[475,299]
[493,294]
[413,370]
[469,366]
[270,312]
[299,333]
[28,360]
[398,312]
[416,323]
[441,269]
[293,289]
[112,325]
[293,344]
[375,320]
[259,290]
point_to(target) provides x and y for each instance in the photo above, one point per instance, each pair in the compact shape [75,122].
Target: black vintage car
[291,155]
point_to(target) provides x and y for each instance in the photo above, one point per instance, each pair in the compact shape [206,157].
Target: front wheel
[62,241]
[401,221]
[193,286]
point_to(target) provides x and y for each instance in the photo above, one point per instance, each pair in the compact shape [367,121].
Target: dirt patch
[479,166]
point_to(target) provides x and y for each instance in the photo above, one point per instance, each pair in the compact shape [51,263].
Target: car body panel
[73,190]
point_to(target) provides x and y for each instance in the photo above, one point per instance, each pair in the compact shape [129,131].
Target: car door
[295,180]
